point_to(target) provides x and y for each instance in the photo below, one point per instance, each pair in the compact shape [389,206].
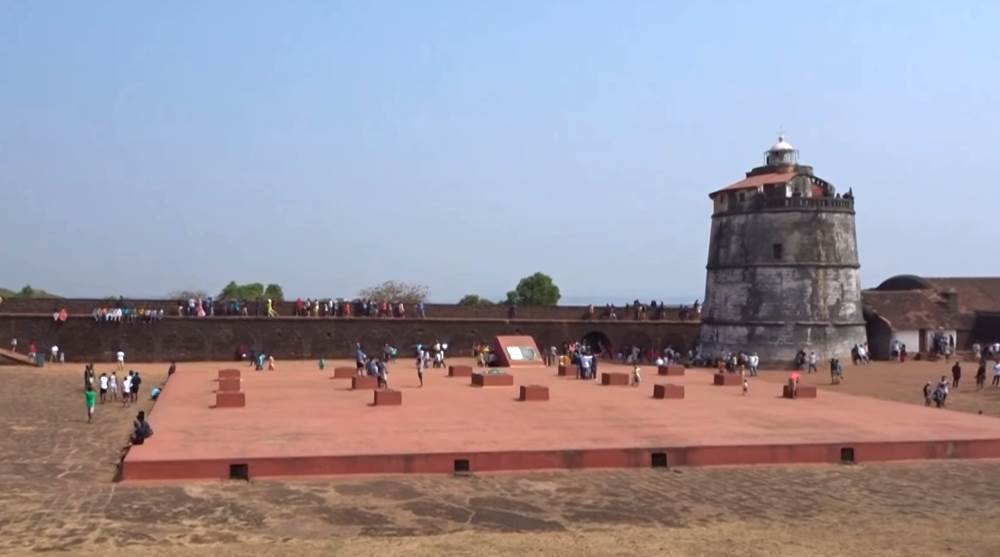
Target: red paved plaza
[301,421]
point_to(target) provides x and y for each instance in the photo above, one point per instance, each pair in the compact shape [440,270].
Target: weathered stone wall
[217,338]
[808,296]
[81,306]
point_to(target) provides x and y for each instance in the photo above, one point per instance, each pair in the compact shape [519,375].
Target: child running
[636,377]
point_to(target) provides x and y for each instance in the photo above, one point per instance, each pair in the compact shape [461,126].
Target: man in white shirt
[121,360]
[104,387]
[996,374]
[55,353]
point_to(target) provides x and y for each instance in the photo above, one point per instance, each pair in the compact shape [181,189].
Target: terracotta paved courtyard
[56,493]
[298,412]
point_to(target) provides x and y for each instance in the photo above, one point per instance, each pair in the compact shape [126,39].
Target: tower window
[777,250]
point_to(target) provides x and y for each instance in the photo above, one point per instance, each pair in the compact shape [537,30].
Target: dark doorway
[598,342]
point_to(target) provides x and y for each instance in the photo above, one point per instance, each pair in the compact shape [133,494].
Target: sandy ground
[57,494]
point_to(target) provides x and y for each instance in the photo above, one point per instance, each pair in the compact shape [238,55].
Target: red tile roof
[753,182]
[974,293]
[914,309]
[911,302]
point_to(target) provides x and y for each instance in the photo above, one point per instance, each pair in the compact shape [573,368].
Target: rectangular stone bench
[567,371]
[803,391]
[459,371]
[668,391]
[229,374]
[670,370]
[364,382]
[534,393]
[615,379]
[229,385]
[388,397]
[344,372]
[492,380]
[229,399]
[727,380]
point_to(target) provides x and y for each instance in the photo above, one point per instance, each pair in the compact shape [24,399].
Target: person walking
[126,390]
[91,398]
[956,375]
[113,386]
[996,374]
[981,375]
[104,387]
[120,358]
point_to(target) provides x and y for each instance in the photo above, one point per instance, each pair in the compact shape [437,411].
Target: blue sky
[148,147]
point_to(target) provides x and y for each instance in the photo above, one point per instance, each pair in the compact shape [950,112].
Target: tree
[233,291]
[396,291]
[474,300]
[535,290]
[26,292]
[274,292]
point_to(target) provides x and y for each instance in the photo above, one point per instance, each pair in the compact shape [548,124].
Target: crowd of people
[107,389]
[654,311]
[127,315]
[308,307]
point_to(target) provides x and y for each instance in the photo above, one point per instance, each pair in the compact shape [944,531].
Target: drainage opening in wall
[847,455]
[239,472]
[462,465]
[658,460]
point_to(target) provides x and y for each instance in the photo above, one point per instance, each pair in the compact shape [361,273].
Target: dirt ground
[57,494]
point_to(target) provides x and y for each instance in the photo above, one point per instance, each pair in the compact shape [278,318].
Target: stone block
[229,374]
[229,399]
[344,372]
[804,391]
[567,371]
[727,380]
[671,370]
[492,380]
[534,393]
[229,385]
[364,382]
[459,371]
[614,379]
[388,397]
[668,391]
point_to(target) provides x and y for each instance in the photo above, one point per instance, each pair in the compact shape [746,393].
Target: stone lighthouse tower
[782,265]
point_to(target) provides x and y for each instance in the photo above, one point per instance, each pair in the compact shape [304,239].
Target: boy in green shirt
[91,402]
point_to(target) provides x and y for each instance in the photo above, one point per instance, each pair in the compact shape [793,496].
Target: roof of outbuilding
[914,302]
[756,181]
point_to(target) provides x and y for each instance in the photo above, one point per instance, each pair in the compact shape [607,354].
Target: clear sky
[147,147]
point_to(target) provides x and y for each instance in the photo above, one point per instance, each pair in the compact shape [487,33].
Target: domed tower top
[781,154]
